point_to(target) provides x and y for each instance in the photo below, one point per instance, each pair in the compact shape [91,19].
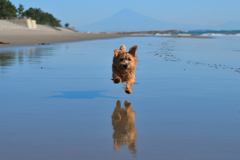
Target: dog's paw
[128,91]
[117,80]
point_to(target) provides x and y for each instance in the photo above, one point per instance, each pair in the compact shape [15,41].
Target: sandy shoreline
[14,38]
[32,38]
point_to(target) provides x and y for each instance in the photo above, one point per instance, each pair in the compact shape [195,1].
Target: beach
[14,37]
[33,37]
[84,80]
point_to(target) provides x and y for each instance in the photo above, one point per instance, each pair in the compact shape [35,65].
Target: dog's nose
[125,66]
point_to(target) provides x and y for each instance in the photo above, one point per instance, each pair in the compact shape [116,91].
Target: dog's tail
[123,47]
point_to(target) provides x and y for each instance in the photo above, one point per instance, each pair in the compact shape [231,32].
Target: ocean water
[58,101]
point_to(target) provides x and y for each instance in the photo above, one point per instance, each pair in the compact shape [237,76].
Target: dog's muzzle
[125,67]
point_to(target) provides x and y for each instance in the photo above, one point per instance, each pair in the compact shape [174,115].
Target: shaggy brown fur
[123,121]
[124,66]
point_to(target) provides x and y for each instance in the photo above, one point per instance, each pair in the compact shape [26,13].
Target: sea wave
[218,34]
[169,34]
[184,34]
[138,34]
[202,34]
[166,34]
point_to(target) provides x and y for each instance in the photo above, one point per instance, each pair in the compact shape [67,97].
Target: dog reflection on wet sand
[124,66]
[123,121]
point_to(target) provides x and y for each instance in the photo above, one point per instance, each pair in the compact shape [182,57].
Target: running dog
[124,66]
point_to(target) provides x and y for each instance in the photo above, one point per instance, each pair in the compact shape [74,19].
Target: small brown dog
[124,66]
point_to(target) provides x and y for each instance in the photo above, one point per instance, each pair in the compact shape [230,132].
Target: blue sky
[81,12]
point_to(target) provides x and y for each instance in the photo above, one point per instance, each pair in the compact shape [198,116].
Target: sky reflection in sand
[82,95]
[58,101]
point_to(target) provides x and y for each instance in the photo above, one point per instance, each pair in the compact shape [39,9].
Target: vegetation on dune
[67,25]
[42,17]
[20,10]
[7,9]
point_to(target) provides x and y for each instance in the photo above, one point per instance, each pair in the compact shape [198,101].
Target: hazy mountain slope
[127,20]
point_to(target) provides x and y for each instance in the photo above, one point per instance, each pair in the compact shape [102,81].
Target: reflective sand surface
[58,101]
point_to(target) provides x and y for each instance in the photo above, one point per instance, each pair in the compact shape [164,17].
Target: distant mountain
[128,20]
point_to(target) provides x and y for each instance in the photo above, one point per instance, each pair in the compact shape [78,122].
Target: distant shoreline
[148,32]
[14,38]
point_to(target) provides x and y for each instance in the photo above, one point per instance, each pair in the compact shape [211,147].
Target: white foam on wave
[168,34]
[188,34]
[218,34]
[184,35]
[159,34]
[138,34]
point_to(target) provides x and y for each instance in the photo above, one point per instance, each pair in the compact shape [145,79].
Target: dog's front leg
[116,78]
[128,89]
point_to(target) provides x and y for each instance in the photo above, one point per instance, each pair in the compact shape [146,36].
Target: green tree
[20,10]
[7,9]
[66,25]
[42,17]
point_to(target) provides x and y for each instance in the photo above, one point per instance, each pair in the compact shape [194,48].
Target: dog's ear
[123,47]
[116,52]
[127,104]
[133,51]
[118,104]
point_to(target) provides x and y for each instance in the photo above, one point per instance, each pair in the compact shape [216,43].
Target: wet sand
[58,101]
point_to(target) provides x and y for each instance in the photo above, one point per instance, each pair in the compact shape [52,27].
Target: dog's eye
[121,59]
[129,59]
